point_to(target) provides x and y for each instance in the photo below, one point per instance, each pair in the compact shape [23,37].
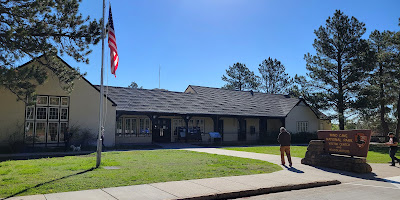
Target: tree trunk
[398,116]
[341,96]
[384,124]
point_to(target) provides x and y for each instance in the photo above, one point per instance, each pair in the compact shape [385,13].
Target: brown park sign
[350,142]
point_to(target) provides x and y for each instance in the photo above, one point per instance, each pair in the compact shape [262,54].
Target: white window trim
[47,101]
[58,114]
[302,126]
[62,101]
[58,98]
[45,131]
[33,113]
[48,133]
[37,115]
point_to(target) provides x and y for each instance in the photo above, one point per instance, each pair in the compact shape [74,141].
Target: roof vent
[251,92]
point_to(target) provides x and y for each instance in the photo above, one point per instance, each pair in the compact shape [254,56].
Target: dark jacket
[284,138]
[394,141]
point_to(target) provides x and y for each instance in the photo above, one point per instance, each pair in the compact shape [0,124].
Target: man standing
[284,140]
[393,141]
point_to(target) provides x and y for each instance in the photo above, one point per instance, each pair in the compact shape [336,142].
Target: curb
[260,191]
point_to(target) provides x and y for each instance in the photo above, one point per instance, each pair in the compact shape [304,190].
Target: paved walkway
[298,177]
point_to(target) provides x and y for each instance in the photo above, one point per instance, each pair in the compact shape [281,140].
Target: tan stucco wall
[83,108]
[255,123]
[11,115]
[230,129]
[302,112]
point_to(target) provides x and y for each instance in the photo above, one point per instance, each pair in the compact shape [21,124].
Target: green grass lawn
[376,154]
[49,175]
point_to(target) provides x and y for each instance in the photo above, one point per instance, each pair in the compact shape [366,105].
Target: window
[119,126]
[41,113]
[130,126]
[177,124]
[41,100]
[144,126]
[40,135]
[30,111]
[54,101]
[64,101]
[29,131]
[52,135]
[64,114]
[53,113]
[47,120]
[63,130]
[302,126]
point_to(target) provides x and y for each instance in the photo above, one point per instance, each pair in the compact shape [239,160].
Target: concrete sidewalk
[298,177]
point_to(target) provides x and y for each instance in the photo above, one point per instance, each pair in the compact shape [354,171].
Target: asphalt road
[360,190]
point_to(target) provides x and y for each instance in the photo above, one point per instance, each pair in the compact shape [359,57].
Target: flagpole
[101,129]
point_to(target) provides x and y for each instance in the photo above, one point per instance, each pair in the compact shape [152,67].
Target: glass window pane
[29,132]
[64,114]
[54,101]
[30,111]
[63,130]
[53,113]
[119,126]
[52,135]
[41,100]
[41,113]
[40,136]
[64,101]
[134,126]
[127,126]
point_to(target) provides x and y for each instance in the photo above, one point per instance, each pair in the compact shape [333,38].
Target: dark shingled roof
[205,100]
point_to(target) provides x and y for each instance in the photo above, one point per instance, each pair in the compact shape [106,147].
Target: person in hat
[284,140]
[393,141]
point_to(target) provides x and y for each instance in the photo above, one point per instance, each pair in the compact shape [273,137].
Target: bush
[81,137]
[15,141]
[304,137]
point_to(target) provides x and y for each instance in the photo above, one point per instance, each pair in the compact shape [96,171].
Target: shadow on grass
[41,184]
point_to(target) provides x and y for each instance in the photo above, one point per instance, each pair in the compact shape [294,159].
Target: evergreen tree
[340,65]
[239,77]
[395,44]
[274,79]
[41,30]
[135,85]
[374,98]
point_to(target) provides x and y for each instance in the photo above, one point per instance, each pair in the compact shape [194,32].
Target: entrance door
[162,130]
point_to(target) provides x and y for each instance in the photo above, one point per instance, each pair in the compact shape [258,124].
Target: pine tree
[340,65]
[274,79]
[239,77]
[41,30]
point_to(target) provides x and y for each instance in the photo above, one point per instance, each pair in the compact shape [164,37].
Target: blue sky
[196,41]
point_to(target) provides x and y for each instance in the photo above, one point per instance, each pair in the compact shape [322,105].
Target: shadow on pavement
[293,169]
[41,184]
[370,176]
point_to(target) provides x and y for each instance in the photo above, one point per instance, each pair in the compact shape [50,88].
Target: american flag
[112,43]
